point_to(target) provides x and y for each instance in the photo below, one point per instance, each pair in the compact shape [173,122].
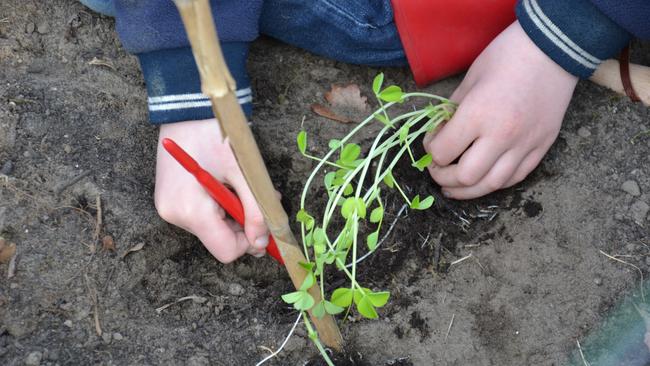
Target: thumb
[255,228]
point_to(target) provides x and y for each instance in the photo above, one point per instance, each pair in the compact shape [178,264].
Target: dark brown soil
[536,281]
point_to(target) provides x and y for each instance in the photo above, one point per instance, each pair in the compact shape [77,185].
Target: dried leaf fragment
[134,248]
[7,251]
[346,104]
[108,243]
[348,96]
[323,111]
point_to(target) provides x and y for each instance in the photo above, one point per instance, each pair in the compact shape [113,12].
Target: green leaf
[350,152]
[342,297]
[376,83]
[309,281]
[348,190]
[302,141]
[305,302]
[389,180]
[319,236]
[332,309]
[360,294]
[423,162]
[307,266]
[319,248]
[319,310]
[372,240]
[366,308]
[292,297]
[303,217]
[329,180]
[403,133]
[416,204]
[382,118]
[334,144]
[391,94]
[352,205]
[378,299]
[377,214]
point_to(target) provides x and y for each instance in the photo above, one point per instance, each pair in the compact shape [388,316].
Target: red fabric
[442,38]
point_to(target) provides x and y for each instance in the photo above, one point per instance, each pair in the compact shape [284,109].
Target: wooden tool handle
[608,75]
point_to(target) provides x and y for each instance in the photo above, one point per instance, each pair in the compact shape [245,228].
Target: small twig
[451,323]
[97,62]
[584,360]
[63,186]
[390,229]
[196,299]
[273,354]
[134,248]
[98,220]
[93,297]
[461,259]
[629,264]
[11,269]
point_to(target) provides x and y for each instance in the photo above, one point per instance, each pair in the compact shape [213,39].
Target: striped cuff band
[174,84]
[575,34]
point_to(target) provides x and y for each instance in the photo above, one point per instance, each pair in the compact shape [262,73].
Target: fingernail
[259,255]
[262,241]
[446,194]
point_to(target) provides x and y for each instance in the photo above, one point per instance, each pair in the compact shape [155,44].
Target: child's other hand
[512,102]
[180,199]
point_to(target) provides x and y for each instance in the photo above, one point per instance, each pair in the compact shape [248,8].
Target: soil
[535,283]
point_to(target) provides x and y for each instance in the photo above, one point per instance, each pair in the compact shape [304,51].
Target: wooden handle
[218,84]
[608,75]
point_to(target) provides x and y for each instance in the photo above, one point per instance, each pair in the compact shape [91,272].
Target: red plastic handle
[220,193]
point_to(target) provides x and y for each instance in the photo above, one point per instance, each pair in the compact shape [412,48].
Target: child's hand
[512,102]
[180,199]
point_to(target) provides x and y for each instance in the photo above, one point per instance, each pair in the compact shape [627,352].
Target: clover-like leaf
[309,281]
[376,83]
[403,133]
[416,204]
[382,118]
[378,299]
[377,214]
[319,310]
[332,309]
[365,308]
[302,141]
[342,297]
[372,240]
[334,144]
[350,152]
[305,302]
[423,162]
[352,205]
[392,93]
[303,217]
[389,180]
[292,297]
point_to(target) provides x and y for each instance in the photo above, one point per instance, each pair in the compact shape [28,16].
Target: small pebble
[43,28]
[630,248]
[30,27]
[584,132]
[7,167]
[13,285]
[639,212]
[27,154]
[598,281]
[117,336]
[53,355]
[106,337]
[235,289]
[631,187]
[68,323]
[67,148]
[34,359]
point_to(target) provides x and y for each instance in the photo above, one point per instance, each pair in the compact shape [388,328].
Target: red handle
[222,195]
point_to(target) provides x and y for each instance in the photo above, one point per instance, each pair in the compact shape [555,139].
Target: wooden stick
[219,86]
[608,75]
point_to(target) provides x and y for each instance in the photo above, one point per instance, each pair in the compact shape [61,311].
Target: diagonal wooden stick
[219,86]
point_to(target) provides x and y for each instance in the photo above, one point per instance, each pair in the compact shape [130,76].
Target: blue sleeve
[575,34]
[633,15]
[154,32]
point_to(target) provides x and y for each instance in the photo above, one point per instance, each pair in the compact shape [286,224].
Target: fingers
[453,138]
[473,165]
[224,241]
[254,226]
[495,179]
[527,165]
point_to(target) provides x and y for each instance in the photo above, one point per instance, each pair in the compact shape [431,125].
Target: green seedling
[355,185]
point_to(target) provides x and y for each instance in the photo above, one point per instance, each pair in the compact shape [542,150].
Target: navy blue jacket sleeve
[153,31]
[576,34]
